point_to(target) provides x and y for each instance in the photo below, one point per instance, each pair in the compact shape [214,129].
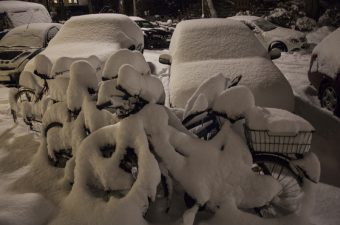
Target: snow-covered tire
[279,45]
[289,199]
[27,95]
[329,97]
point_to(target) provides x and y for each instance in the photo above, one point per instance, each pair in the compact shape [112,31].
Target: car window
[28,39]
[265,25]
[50,34]
[144,24]
[4,23]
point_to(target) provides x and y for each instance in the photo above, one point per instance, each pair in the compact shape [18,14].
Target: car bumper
[7,77]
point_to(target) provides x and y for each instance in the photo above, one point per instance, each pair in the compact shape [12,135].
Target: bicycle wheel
[27,95]
[290,198]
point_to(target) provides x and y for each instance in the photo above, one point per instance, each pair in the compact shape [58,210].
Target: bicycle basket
[264,141]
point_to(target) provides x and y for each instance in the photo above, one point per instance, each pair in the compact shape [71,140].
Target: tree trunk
[135,7]
[312,8]
[121,7]
[212,10]
[90,6]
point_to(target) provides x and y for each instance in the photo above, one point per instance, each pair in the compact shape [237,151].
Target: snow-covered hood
[269,86]
[72,52]
[81,50]
[285,34]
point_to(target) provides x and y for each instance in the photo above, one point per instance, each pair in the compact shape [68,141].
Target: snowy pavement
[326,140]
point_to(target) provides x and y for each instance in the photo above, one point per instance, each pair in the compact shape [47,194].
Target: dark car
[154,36]
[324,72]
[20,45]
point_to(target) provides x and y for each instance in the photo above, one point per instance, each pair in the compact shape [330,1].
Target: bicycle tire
[28,95]
[289,199]
[25,95]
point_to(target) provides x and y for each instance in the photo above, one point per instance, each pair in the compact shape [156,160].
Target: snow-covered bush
[305,24]
[316,36]
[331,17]
[280,16]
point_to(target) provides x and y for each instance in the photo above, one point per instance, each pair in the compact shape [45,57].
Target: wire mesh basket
[264,141]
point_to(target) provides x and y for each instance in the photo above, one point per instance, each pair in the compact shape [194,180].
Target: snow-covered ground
[18,145]
[326,139]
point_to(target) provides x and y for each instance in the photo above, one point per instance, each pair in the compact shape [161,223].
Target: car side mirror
[275,53]
[165,59]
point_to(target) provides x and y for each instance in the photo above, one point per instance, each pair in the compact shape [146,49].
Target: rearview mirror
[165,59]
[275,53]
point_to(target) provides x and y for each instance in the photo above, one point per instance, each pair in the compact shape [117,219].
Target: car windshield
[27,39]
[144,24]
[265,25]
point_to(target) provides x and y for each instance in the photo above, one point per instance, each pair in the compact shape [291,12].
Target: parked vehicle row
[273,36]
[154,36]
[20,45]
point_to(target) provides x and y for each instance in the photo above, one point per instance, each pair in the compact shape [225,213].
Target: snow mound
[210,89]
[327,52]
[107,90]
[149,88]
[318,35]
[74,39]
[82,80]
[24,209]
[187,45]
[270,88]
[62,65]
[43,64]
[125,56]
[30,81]
[98,173]
[235,102]
[276,121]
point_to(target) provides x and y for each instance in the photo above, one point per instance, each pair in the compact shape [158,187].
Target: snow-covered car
[200,49]
[154,36]
[20,45]
[324,71]
[88,36]
[273,36]
[16,13]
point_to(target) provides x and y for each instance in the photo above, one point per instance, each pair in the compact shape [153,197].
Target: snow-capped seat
[63,64]
[121,57]
[277,131]
[149,88]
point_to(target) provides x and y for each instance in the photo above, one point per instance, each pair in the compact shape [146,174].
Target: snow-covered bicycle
[278,140]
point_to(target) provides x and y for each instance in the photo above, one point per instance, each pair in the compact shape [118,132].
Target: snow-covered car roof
[136,18]
[327,54]
[96,34]
[30,35]
[21,12]
[205,39]
[244,18]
